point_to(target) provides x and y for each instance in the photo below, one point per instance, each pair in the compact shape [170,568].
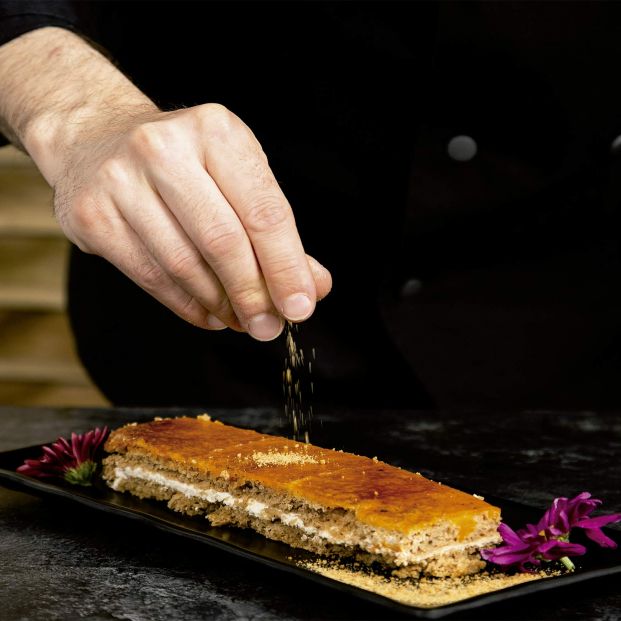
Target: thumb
[323,278]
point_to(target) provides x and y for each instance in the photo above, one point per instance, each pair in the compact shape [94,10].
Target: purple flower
[548,540]
[73,461]
[566,514]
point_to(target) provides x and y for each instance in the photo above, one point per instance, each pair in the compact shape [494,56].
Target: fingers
[234,158]
[174,252]
[115,240]
[321,276]
[216,231]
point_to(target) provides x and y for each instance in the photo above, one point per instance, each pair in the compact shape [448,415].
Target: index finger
[241,170]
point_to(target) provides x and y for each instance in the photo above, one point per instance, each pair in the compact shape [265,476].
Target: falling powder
[296,377]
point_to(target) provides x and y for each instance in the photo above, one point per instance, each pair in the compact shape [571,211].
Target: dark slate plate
[245,543]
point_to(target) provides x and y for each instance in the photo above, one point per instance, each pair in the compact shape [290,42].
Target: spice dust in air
[297,385]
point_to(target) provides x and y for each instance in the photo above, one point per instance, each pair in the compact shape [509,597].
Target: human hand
[184,203]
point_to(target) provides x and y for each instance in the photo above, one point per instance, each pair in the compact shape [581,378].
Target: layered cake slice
[323,500]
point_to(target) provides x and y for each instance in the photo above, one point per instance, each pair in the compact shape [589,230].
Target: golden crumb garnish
[375,459]
[478,497]
[204,416]
[238,455]
[193,461]
[158,418]
[225,475]
[281,459]
[423,592]
[375,493]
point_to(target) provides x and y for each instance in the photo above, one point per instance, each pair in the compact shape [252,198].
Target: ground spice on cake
[425,592]
[281,458]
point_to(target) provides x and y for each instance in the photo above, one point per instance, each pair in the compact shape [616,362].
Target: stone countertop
[64,561]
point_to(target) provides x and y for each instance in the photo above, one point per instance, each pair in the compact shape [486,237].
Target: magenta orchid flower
[74,461]
[548,540]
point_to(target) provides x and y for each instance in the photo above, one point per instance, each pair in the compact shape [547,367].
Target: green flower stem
[567,562]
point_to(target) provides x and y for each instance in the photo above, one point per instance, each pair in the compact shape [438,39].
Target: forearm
[53,87]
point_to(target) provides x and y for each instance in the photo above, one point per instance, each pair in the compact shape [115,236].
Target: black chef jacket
[495,282]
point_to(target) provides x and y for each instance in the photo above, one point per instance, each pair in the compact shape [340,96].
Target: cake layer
[379,494]
[280,517]
[319,499]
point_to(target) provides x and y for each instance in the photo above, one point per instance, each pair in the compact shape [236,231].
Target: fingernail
[265,327]
[297,307]
[214,323]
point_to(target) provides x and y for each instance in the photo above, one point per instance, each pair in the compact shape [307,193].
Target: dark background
[517,250]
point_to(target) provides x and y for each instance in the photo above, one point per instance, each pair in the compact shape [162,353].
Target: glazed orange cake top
[379,494]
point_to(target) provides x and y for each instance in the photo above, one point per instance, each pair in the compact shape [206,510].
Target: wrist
[57,93]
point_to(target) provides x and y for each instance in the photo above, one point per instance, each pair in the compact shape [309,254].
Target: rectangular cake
[323,500]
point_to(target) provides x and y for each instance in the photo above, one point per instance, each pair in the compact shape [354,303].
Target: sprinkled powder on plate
[425,592]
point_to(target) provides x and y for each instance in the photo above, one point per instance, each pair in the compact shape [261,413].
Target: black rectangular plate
[246,543]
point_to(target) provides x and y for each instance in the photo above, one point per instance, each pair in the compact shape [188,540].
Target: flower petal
[509,535]
[599,521]
[554,550]
[596,535]
[63,458]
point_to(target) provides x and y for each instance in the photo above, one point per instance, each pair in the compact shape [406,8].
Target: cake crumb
[204,416]
[424,592]
[478,497]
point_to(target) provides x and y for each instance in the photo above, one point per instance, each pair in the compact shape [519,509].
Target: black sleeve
[20,16]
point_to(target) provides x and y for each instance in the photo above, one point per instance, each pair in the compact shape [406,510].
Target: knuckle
[182,264]
[285,270]
[85,216]
[218,120]
[222,308]
[265,213]
[220,239]
[190,309]
[151,277]
[151,140]
[113,173]
[249,299]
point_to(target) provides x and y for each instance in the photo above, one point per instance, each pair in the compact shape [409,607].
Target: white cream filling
[375,541]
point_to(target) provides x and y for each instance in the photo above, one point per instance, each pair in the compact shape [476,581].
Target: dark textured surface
[60,561]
